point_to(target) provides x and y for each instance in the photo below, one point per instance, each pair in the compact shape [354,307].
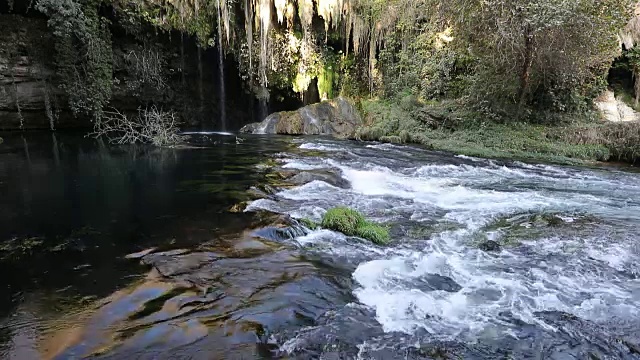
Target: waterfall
[264,17]
[222,91]
[182,66]
[200,84]
[265,24]
[248,25]
[264,108]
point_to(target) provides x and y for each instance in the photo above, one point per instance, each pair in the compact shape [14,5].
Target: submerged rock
[434,282]
[239,207]
[141,254]
[337,117]
[490,246]
[173,263]
[262,192]
[328,176]
[282,227]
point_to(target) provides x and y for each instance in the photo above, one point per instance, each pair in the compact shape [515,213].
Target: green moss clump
[378,234]
[343,219]
[352,223]
[308,223]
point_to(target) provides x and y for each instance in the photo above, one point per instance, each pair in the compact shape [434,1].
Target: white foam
[300,165]
[314,190]
[319,147]
[471,158]
[575,275]
[262,204]
[208,133]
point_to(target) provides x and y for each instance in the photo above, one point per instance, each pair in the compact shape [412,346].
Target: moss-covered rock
[308,223]
[352,223]
[343,219]
[378,234]
[337,117]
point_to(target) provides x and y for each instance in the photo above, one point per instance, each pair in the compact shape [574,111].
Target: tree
[548,53]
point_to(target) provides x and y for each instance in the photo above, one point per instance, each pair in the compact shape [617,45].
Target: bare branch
[152,126]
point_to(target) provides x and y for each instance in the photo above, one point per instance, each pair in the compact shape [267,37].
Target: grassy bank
[449,128]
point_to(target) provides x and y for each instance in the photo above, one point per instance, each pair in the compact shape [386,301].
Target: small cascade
[264,108]
[222,91]
[264,22]
[200,83]
[264,17]
[182,63]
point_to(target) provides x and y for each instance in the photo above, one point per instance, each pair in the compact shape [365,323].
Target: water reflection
[71,208]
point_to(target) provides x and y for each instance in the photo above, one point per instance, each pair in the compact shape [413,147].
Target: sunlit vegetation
[506,62]
[352,223]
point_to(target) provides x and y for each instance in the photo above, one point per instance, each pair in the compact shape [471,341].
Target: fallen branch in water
[152,126]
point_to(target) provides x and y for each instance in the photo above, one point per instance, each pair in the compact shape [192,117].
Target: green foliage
[327,76]
[352,81]
[633,58]
[509,60]
[621,140]
[83,53]
[377,234]
[343,219]
[449,127]
[198,19]
[352,223]
[547,54]
[308,223]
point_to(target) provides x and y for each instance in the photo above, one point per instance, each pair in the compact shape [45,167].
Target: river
[135,252]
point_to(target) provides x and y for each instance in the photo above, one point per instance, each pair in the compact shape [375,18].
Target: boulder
[327,176]
[490,246]
[337,117]
[615,110]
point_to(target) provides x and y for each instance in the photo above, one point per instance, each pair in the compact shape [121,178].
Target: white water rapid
[570,241]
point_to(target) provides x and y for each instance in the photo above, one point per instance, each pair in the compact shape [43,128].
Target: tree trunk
[636,87]
[525,74]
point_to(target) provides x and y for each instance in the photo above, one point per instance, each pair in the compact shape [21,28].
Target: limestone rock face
[337,117]
[615,110]
[25,95]
[30,97]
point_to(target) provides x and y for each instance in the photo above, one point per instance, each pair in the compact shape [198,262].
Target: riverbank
[447,127]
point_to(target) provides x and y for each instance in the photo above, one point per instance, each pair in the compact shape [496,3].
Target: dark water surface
[71,208]
[209,283]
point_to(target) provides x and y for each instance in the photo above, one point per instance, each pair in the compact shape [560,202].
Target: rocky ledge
[337,117]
